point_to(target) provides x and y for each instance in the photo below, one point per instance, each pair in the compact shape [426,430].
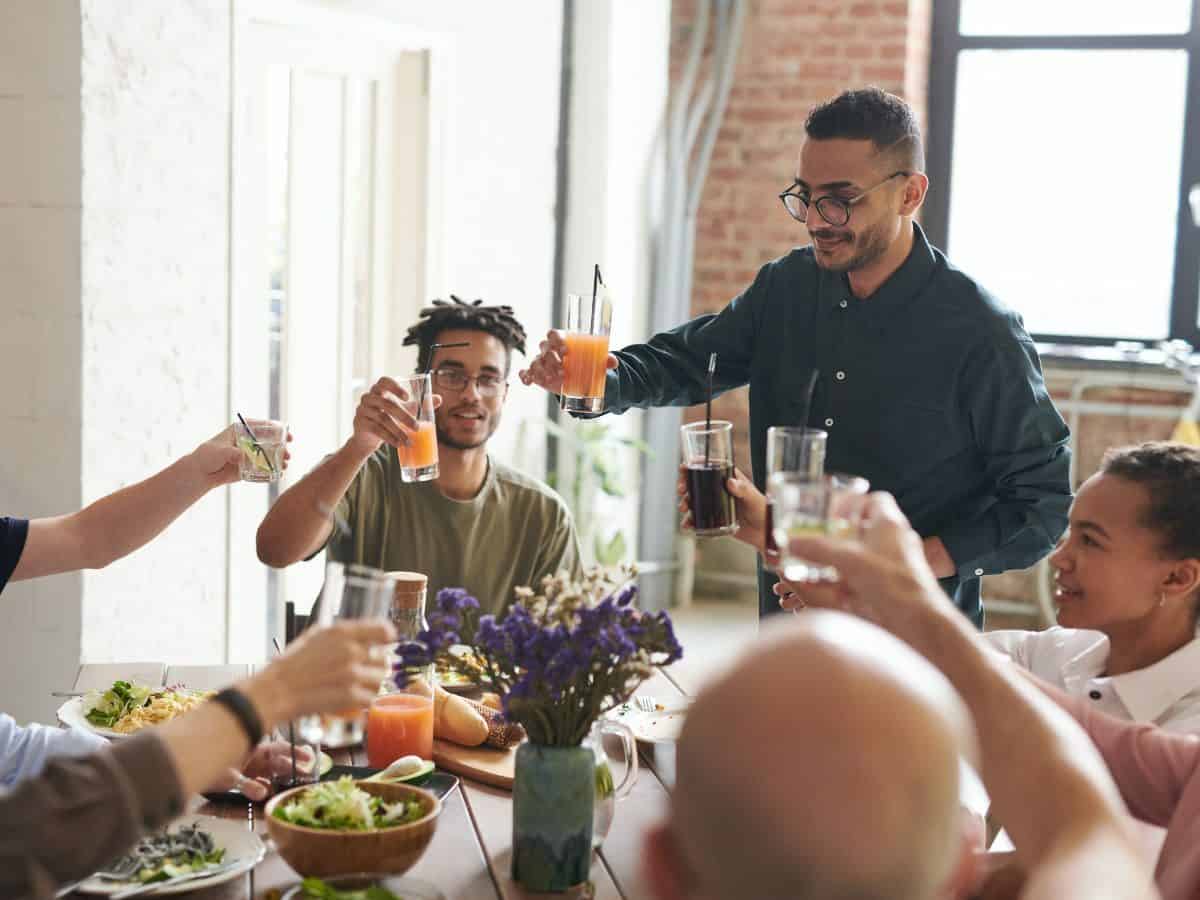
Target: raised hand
[325,670]
[546,369]
[750,506]
[879,571]
[381,418]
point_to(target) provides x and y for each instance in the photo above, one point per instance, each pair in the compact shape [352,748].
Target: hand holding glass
[589,321]
[350,592]
[262,445]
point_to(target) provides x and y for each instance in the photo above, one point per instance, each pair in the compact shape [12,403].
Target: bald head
[824,764]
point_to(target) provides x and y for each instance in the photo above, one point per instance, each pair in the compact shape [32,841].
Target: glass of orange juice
[588,324]
[419,457]
[400,724]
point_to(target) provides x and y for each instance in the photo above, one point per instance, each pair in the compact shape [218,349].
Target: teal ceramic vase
[554,795]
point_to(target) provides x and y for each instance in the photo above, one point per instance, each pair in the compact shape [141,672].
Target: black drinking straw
[429,368]
[292,731]
[808,398]
[596,281]
[712,367]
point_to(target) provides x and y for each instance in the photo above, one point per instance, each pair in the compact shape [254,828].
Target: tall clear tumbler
[351,591]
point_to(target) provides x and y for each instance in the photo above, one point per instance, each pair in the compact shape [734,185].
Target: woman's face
[1109,568]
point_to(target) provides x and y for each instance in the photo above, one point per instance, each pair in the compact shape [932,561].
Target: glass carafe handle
[608,726]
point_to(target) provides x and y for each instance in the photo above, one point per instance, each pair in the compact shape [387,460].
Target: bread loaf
[454,719]
[500,733]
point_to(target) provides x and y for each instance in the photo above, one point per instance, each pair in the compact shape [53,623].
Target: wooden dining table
[470,855]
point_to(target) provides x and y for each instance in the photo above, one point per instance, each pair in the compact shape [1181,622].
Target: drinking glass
[813,506]
[796,451]
[262,447]
[708,464]
[419,457]
[400,720]
[351,591]
[588,323]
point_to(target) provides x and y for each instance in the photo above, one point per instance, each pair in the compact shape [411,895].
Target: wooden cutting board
[486,764]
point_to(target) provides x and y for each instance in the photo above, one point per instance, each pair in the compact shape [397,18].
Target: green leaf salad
[116,702]
[343,806]
[319,890]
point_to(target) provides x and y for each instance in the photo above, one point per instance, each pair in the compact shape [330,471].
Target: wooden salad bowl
[318,852]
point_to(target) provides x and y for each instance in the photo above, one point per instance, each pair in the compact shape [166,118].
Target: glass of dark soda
[708,463]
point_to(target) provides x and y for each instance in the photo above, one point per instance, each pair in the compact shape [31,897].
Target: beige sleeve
[82,813]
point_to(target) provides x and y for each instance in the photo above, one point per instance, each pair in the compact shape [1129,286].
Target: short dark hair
[443,315]
[872,114]
[1170,473]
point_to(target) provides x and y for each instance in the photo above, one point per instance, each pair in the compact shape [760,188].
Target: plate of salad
[183,850]
[363,887]
[128,707]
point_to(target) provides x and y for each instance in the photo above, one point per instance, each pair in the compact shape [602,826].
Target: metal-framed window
[1065,176]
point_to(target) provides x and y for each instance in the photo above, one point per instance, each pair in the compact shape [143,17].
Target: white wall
[114,174]
[40,331]
[155,109]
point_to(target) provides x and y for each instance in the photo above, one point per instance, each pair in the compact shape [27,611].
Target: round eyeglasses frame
[456,380]
[832,209]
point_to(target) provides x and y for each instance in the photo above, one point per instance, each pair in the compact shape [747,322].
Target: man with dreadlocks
[480,524]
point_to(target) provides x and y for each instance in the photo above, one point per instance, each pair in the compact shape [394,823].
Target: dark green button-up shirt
[929,388]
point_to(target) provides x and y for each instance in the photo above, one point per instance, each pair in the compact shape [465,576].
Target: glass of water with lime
[813,506]
[262,442]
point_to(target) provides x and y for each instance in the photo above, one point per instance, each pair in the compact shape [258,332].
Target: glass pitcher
[607,794]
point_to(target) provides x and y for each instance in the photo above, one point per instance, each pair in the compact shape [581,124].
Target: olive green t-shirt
[514,532]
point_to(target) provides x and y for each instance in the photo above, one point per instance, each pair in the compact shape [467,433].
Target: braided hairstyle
[444,315]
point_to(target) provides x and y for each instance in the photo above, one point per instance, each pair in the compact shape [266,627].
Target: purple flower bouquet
[558,659]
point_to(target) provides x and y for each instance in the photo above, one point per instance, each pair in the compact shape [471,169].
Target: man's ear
[916,186]
[662,864]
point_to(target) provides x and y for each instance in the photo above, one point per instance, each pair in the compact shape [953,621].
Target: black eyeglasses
[456,380]
[832,209]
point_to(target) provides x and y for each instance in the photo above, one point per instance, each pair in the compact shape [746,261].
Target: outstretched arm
[298,525]
[116,525]
[1047,782]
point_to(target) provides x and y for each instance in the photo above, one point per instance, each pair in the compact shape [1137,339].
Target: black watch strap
[243,710]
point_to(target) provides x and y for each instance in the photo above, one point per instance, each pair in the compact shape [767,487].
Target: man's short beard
[872,245]
[446,440]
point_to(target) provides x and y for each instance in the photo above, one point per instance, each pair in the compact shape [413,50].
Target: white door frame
[269,32]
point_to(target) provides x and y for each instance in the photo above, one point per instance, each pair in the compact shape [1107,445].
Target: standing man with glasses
[480,525]
[927,386]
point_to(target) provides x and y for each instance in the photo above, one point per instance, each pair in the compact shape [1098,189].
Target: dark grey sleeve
[82,813]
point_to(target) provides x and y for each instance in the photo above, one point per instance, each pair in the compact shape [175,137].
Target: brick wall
[794,54]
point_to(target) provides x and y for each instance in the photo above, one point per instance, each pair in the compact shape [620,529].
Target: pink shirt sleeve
[1151,767]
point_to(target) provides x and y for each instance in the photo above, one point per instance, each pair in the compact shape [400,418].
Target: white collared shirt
[1166,693]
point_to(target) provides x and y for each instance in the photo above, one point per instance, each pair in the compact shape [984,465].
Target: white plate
[73,714]
[662,725]
[241,845]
